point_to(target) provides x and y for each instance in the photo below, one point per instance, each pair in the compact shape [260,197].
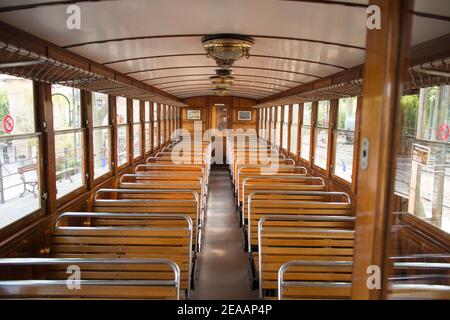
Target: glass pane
[122,145]
[323,113]
[147,111]
[69,162]
[286,113]
[279,109]
[155,134]
[136,111]
[307,108]
[102,151]
[17,105]
[277,134]
[121,109]
[147,137]
[294,137]
[100,109]
[137,140]
[345,138]
[19,179]
[320,150]
[423,165]
[295,113]
[155,111]
[66,107]
[285,136]
[306,134]
[162,132]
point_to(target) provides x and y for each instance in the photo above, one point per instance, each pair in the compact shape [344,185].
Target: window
[285,127]
[423,170]
[136,128]
[167,117]
[321,134]
[306,131]
[344,136]
[267,126]
[69,135]
[147,110]
[122,131]
[155,126]
[162,121]
[278,126]
[262,122]
[294,129]
[20,176]
[102,134]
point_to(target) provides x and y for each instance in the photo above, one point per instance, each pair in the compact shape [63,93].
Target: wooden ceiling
[158,42]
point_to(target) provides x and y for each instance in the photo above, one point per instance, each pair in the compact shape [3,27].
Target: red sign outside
[443,132]
[8,124]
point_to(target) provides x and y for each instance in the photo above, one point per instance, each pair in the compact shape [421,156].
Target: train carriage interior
[225,150]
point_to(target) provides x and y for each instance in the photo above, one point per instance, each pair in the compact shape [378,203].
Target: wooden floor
[222,263]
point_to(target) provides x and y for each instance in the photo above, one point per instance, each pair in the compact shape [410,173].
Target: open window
[69,140]
[20,152]
[122,132]
[321,134]
[306,132]
[101,134]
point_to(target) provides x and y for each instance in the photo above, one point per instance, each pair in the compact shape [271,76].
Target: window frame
[295,153]
[310,127]
[285,123]
[156,142]
[148,143]
[324,171]
[128,139]
[84,136]
[136,124]
[42,135]
[110,126]
[335,131]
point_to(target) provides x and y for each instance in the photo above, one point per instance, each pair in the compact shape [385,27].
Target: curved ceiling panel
[159,41]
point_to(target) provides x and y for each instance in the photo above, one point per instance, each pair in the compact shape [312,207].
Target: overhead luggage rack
[21,62]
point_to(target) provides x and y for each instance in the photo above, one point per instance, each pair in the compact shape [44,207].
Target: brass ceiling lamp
[225,49]
[223,79]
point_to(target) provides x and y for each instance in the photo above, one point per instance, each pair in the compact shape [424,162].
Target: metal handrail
[297,230]
[292,263]
[79,261]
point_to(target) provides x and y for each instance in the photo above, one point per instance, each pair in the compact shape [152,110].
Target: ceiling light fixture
[225,49]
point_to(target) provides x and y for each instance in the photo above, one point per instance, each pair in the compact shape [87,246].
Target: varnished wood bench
[313,204]
[47,278]
[285,182]
[286,238]
[314,280]
[150,201]
[254,171]
[128,236]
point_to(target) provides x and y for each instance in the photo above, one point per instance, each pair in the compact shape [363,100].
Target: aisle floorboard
[222,263]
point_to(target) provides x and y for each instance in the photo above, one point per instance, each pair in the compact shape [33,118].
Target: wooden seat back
[287,238]
[46,278]
[298,203]
[170,202]
[150,236]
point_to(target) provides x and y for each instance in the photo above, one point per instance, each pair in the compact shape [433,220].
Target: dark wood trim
[86,105]
[198,35]
[203,54]
[207,81]
[208,85]
[385,69]
[113,120]
[215,67]
[211,74]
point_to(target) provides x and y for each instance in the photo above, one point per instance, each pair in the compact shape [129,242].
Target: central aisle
[222,265]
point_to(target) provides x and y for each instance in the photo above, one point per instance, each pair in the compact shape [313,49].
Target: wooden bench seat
[142,239]
[279,244]
[173,202]
[46,278]
[286,182]
[312,205]
[314,280]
